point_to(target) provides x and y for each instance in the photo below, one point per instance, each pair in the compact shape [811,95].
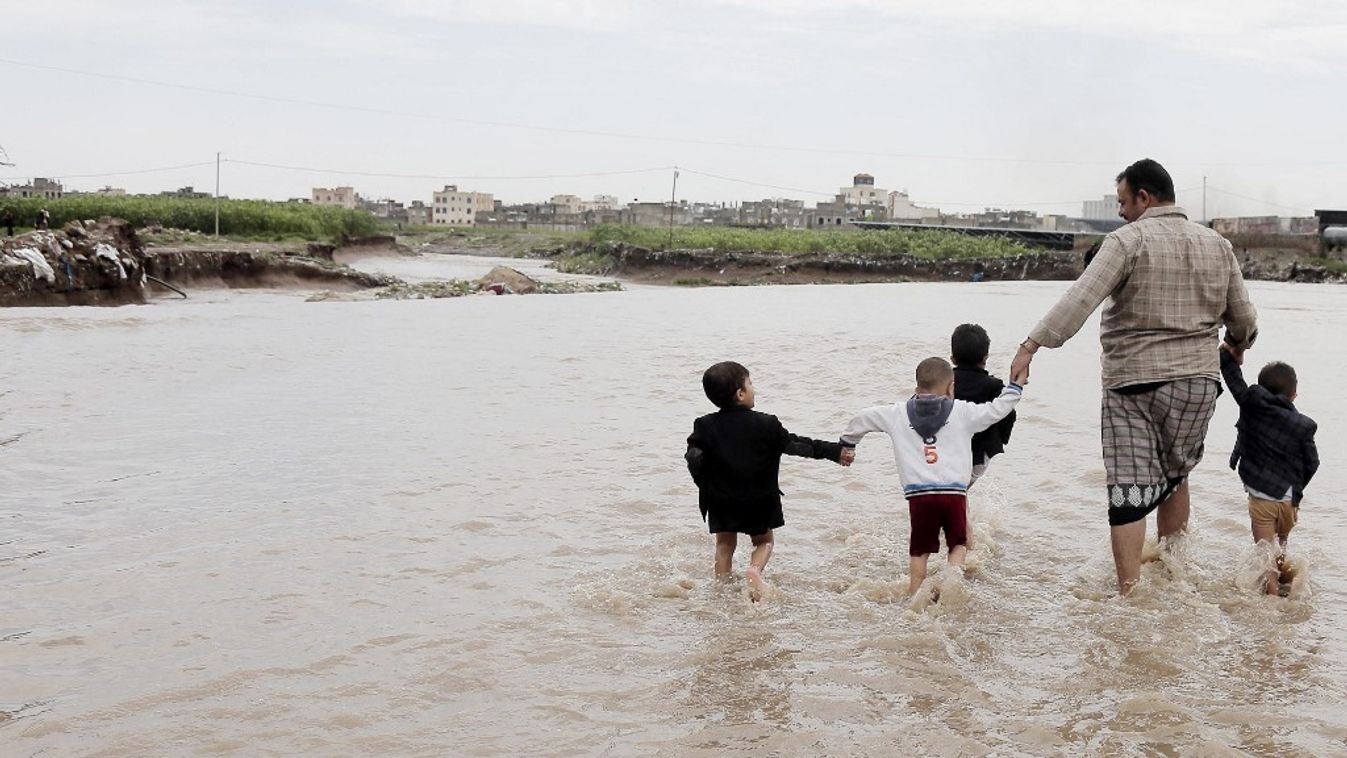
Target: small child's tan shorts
[1271,514]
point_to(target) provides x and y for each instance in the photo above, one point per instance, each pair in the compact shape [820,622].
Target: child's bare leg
[916,569]
[957,555]
[725,544]
[1266,532]
[762,552]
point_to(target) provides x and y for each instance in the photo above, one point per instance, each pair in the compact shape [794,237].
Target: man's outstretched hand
[1019,367]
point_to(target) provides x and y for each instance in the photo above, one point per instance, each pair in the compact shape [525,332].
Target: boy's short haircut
[969,345]
[723,381]
[934,374]
[1278,378]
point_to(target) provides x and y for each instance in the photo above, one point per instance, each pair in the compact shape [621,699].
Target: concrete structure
[188,193]
[901,208]
[1100,210]
[450,207]
[418,213]
[342,197]
[566,205]
[1265,225]
[863,192]
[601,203]
[46,189]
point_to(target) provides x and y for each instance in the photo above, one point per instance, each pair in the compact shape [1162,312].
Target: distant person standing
[1170,284]
[8,220]
[43,219]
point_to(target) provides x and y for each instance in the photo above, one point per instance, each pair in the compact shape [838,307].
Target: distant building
[109,191]
[342,197]
[863,192]
[450,207]
[600,203]
[46,189]
[1265,225]
[901,208]
[418,213]
[568,205]
[1100,210]
[188,192]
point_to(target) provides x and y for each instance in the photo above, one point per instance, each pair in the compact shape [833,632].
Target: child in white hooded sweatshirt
[932,443]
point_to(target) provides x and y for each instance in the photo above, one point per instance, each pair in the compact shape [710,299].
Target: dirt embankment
[710,267]
[105,263]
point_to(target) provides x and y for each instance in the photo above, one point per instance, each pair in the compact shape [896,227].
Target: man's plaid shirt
[1170,284]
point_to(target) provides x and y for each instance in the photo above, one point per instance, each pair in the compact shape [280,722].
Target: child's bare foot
[755,583]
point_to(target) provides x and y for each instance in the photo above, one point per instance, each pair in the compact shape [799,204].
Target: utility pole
[1204,199]
[217,195]
[673,199]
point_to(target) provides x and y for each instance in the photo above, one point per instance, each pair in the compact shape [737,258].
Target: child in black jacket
[1274,451]
[734,455]
[969,347]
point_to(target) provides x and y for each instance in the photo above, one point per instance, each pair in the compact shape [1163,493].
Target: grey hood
[927,414]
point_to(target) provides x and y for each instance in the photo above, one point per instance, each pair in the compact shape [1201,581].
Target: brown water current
[254,525]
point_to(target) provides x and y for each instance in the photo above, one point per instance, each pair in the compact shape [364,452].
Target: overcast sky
[1034,104]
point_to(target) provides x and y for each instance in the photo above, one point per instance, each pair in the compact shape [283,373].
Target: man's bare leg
[725,544]
[762,552]
[1128,540]
[916,570]
[958,555]
[1172,516]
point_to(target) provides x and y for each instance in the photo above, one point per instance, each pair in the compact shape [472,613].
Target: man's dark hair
[722,381]
[1148,175]
[1278,378]
[934,375]
[969,345]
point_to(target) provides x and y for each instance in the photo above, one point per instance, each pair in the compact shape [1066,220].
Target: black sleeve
[1004,426]
[1234,377]
[804,447]
[1311,458]
[695,456]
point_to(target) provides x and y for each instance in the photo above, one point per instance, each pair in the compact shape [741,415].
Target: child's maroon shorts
[930,514]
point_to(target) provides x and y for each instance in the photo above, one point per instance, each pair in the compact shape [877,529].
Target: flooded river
[255,525]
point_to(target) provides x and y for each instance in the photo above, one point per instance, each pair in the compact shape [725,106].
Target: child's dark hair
[969,345]
[722,381]
[1278,378]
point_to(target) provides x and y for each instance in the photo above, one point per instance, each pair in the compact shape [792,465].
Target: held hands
[848,455]
[1019,367]
[1235,352]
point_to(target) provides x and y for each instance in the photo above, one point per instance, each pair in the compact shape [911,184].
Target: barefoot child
[734,455]
[1274,451]
[968,349]
[932,437]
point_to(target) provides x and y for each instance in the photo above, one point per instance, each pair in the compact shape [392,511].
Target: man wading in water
[1170,284]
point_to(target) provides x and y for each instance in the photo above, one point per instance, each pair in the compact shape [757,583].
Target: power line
[117,173]
[385,175]
[625,135]
[1255,200]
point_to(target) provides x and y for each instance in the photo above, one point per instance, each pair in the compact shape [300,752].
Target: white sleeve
[980,416]
[869,420]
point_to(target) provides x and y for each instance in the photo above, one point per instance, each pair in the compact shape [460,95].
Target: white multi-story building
[1100,210]
[46,189]
[863,192]
[342,197]
[449,207]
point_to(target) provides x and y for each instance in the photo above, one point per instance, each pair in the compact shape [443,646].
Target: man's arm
[1240,317]
[1234,375]
[1109,269]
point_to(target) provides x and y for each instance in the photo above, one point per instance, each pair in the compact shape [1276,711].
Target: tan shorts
[1270,514]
